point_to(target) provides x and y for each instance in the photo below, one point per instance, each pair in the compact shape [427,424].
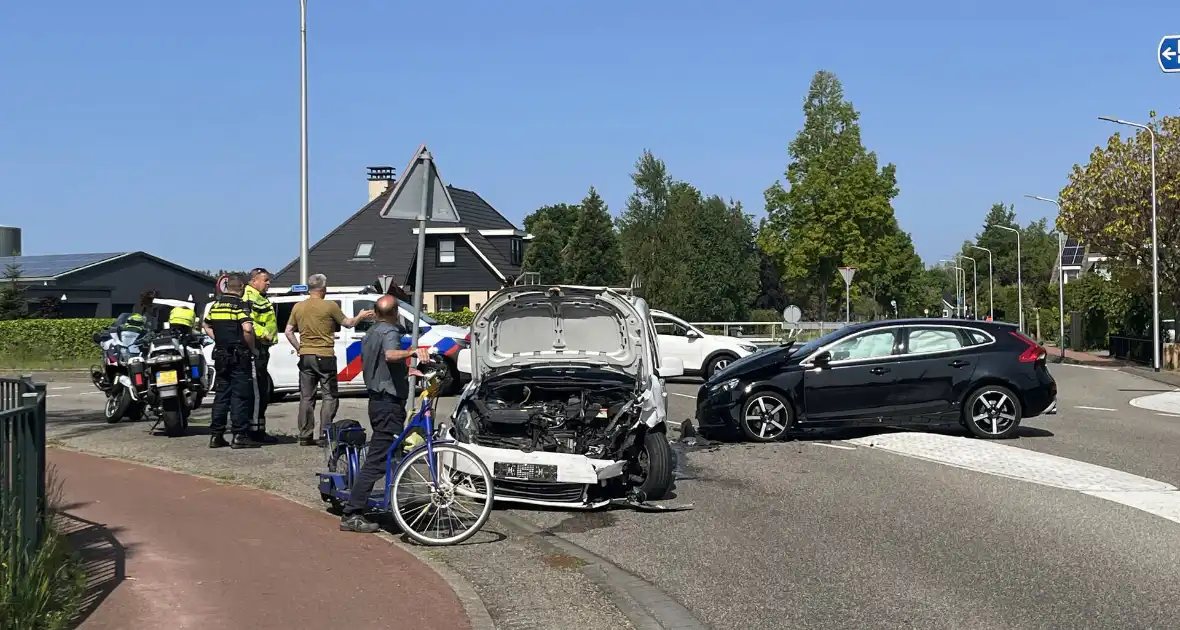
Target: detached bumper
[570,487]
[570,468]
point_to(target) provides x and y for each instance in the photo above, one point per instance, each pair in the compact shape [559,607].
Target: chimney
[380,179]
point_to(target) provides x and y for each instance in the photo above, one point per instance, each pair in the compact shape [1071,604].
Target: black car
[985,376]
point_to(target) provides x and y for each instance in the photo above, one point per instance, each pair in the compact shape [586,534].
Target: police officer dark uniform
[228,323]
[266,332]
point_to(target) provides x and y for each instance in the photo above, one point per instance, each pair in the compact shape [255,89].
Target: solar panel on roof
[52,265]
[1073,256]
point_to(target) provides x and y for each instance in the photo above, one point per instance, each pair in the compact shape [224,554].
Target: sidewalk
[166,550]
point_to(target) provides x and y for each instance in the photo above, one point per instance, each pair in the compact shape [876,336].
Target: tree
[1107,202]
[592,254]
[836,208]
[640,233]
[545,252]
[562,216]
[12,295]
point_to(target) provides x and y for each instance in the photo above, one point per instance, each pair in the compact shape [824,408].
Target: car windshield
[426,319]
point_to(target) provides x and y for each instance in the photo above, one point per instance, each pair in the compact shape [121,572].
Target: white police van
[284,363]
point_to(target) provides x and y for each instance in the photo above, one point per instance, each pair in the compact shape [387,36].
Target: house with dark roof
[104,284]
[466,262]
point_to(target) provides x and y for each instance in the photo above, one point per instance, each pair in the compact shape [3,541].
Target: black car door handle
[879,370]
[959,364]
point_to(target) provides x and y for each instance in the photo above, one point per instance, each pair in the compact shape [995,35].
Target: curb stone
[642,602]
[473,606]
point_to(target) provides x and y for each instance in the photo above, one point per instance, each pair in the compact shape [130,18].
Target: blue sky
[173,127]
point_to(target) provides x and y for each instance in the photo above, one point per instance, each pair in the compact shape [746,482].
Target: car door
[349,365]
[678,340]
[933,372]
[857,384]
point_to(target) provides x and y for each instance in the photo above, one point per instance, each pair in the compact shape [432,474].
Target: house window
[451,303]
[363,251]
[446,252]
[517,251]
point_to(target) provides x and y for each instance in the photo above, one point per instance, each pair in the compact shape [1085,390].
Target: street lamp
[303,210]
[1019,282]
[1155,259]
[1060,275]
[974,284]
[958,292]
[991,305]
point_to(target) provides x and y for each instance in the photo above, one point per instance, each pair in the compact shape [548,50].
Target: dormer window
[364,251]
[517,251]
[446,252]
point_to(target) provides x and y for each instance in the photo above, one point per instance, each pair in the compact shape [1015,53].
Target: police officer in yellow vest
[266,332]
[228,324]
[182,319]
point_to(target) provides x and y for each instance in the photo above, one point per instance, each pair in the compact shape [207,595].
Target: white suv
[701,352]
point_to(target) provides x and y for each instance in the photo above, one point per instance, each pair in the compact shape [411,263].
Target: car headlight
[725,386]
[748,347]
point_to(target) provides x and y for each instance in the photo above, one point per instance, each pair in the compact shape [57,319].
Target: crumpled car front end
[563,406]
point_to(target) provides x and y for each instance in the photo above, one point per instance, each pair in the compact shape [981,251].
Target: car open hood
[534,325]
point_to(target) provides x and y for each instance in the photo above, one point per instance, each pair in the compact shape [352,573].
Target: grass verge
[47,594]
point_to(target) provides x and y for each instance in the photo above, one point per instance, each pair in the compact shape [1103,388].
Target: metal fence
[768,332]
[1131,349]
[22,463]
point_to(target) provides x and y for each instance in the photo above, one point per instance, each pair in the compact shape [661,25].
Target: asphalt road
[836,530]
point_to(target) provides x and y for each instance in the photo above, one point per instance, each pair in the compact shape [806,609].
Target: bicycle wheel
[445,509]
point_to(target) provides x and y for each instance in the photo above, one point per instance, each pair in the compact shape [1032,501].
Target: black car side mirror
[822,358]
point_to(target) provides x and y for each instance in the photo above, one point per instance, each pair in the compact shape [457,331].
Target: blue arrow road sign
[1169,53]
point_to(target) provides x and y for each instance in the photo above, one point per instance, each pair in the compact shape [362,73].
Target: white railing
[768,332]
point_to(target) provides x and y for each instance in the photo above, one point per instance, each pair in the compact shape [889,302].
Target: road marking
[1148,495]
[1168,415]
[682,395]
[839,446]
[1090,367]
[1166,402]
[1095,408]
[59,388]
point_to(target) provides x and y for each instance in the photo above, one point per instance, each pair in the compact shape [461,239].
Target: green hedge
[48,343]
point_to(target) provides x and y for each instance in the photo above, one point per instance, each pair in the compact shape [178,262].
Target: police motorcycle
[121,356]
[181,323]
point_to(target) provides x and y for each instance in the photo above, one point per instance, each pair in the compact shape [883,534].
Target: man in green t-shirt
[316,320]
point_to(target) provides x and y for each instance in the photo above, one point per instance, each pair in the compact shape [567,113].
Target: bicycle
[451,475]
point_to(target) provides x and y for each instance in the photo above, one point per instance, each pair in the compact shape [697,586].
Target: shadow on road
[104,558]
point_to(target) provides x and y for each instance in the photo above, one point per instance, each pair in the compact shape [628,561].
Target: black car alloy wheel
[992,412]
[766,416]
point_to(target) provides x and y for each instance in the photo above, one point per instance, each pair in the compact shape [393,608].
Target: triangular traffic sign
[405,202]
[847,273]
[383,283]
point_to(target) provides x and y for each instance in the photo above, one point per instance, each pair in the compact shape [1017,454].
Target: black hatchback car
[985,376]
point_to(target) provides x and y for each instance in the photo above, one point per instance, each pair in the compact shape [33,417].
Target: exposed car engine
[556,418]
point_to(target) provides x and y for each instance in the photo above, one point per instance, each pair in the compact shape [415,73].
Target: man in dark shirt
[386,375]
[228,322]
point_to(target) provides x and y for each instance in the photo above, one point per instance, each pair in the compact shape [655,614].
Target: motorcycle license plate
[167,377]
[525,472]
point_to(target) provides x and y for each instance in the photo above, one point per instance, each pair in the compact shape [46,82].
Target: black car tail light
[1033,353]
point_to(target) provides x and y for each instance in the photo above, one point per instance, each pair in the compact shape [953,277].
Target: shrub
[458,318]
[50,341]
[47,593]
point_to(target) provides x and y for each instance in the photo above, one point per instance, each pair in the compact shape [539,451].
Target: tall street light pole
[991,304]
[303,212]
[1019,282]
[974,284]
[1060,275]
[1155,259]
[958,293]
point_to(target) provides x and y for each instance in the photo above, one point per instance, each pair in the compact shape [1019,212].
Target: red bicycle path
[199,554]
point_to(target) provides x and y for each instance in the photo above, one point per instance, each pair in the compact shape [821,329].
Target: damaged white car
[566,404]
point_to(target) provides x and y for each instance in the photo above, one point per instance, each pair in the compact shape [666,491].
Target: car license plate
[167,377]
[527,472]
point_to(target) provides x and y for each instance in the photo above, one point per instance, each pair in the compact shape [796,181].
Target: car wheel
[654,462]
[992,412]
[718,363]
[766,416]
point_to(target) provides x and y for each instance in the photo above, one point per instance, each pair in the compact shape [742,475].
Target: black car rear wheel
[766,416]
[992,412]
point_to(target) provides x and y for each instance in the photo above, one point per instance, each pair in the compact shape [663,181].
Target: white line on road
[1090,367]
[1095,408]
[1168,415]
[1149,495]
[58,388]
[682,395]
[839,446]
